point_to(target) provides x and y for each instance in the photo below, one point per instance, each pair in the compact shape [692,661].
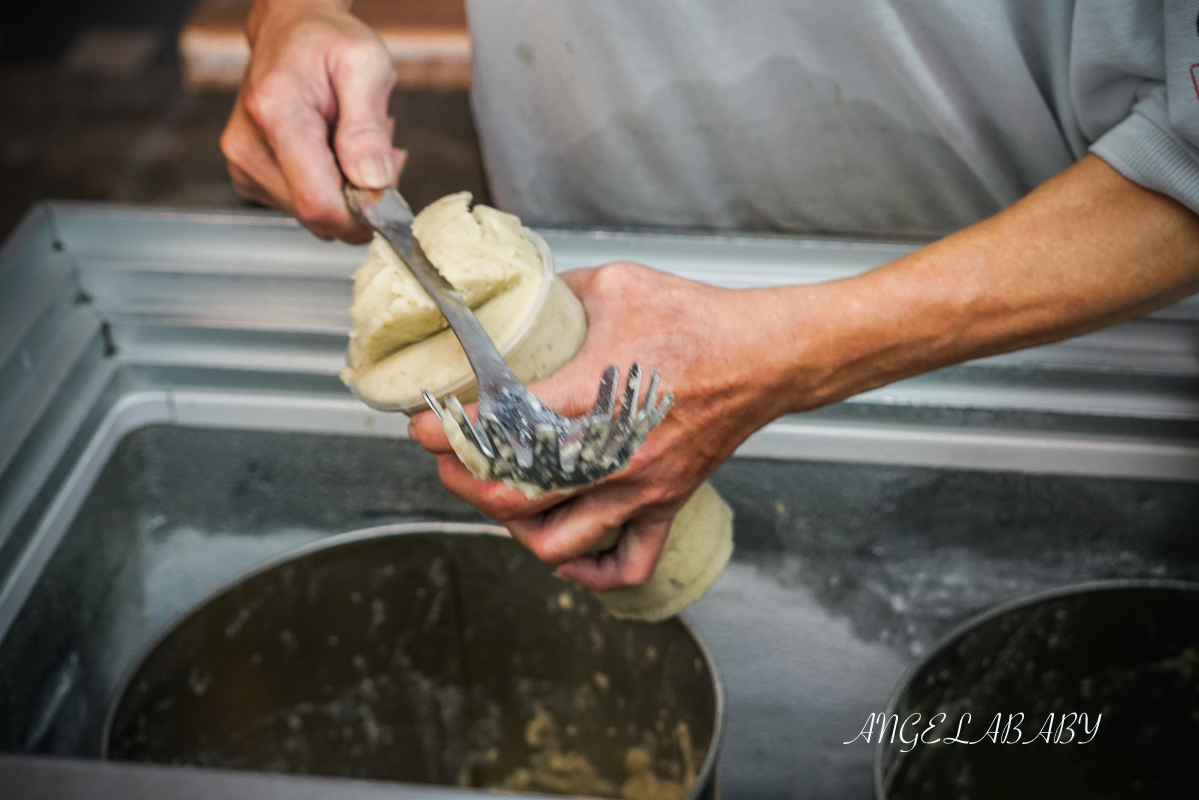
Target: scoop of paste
[481,252]
[400,344]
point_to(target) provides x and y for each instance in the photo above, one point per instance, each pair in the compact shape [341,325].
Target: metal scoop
[521,439]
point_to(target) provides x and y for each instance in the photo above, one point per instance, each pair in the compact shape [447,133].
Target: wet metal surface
[1088,693]
[172,417]
[842,574]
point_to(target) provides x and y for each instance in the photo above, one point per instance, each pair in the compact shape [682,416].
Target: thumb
[363,137]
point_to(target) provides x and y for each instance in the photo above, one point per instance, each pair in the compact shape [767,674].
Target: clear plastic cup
[537,329]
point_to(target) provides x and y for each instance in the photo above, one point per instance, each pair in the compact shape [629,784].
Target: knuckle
[264,100]
[259,107]
[229,145]
[365,54]
[616,277]
[355,135]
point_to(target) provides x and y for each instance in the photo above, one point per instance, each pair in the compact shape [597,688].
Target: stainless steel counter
[170,415]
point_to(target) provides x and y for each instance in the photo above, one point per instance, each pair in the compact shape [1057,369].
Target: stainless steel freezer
[170,416]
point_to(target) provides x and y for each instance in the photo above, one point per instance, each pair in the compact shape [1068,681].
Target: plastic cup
[537,329]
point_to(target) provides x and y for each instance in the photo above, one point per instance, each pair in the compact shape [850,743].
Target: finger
[315,180]
[252,167]
[493,498]
[631,564]
[297,133]
[425,429]
[574,529]
[248,188]
[362,79]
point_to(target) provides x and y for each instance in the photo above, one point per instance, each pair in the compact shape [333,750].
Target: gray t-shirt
[913,117]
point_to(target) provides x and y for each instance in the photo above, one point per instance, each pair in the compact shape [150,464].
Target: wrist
[832,340]
[770,361]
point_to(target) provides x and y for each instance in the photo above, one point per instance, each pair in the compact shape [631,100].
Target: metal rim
[1036,598]
[707,768]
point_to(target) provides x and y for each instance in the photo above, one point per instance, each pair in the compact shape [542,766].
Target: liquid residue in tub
[345,734]
[571,773]
[341,733]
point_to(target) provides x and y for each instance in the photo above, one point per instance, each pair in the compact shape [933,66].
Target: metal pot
[419,653]
[1124,653]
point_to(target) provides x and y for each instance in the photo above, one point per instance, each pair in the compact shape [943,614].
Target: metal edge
[132,411]
[789,438]
[292,412]
[104,208]
[39,214]
[788,249]
[709,766]
[951,638]
[76,334]
[67,423]
[989,450]
[654,237]
[248,214]
[63,776]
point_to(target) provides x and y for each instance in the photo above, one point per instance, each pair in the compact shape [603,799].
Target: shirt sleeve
[1136,88]
[1151,152]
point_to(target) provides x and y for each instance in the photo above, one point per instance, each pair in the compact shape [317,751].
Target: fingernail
[372,171]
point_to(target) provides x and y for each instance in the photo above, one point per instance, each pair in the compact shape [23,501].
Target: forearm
[1086,249]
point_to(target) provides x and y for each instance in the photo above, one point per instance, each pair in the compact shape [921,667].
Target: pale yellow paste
[571,773]
[481,253]
[533,319]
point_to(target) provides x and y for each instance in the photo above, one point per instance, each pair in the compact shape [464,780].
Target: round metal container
[1126,650]
[418,653]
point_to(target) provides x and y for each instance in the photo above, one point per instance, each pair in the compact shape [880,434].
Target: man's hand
[1086,249]
[314,70]
[711,355]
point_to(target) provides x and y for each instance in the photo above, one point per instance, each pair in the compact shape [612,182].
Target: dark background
[68,132]
[41,32]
